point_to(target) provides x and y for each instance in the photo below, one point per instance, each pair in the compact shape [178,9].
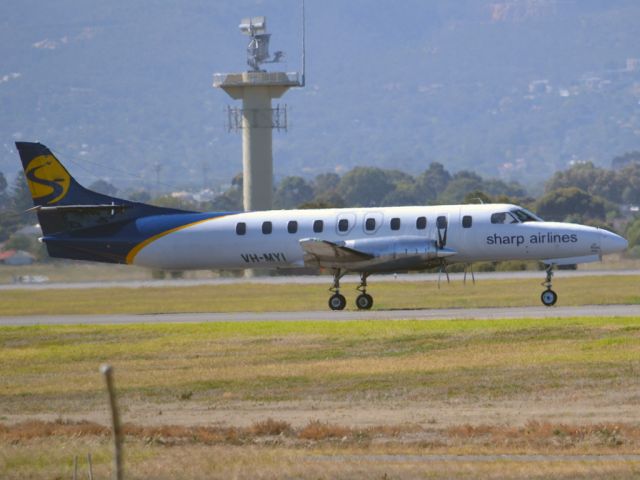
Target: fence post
[90,466]
[107,371]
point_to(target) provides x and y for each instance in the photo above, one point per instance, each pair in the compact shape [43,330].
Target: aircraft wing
[374,254]
[325,253]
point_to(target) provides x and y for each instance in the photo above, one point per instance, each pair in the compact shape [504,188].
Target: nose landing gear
[549,297]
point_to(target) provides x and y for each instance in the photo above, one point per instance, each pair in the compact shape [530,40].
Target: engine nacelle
[399,247]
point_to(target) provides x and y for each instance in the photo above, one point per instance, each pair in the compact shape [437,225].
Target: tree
[169,201]
[477,196]
[632,232]
[21,195]
[401,195]
[461,183]
[323,202]
[291,192]
[631,192]
[139,196]
[591,179]
[238,180]
[19,242]
[8,217]
[229,201]
[328,200]
[432,182]
[3,185]
[563,203]
[497,187]
[325,183]
[364,187]
[104,187]
[625,160]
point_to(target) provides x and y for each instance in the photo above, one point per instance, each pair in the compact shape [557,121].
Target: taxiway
[328,315]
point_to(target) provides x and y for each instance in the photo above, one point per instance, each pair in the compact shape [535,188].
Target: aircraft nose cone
[611,243]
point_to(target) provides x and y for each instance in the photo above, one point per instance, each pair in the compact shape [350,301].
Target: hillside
[122,90]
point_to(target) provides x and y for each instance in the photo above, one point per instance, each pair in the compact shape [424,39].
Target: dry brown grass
[534,436]
[32,429]
[270,427]
[316,430]
[540,435]
[203,453]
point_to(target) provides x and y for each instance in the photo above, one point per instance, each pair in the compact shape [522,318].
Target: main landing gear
[549,297]
[337,301]
[364,301]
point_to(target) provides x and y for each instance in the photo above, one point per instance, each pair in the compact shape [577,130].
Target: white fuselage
[223,242]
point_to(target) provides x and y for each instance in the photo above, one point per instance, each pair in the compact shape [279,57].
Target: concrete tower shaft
[256,89]
[257,148]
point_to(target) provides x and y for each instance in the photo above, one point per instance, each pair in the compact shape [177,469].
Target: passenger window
[441,222]
[318,226]
[370,224]
[467,221]
[498,217]
[241,228]
[343,225]
[421,223]
[395,224]
[292,226]
[267,227]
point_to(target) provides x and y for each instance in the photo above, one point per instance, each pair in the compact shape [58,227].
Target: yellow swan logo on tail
[47,179]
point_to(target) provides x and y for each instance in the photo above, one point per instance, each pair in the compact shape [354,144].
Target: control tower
[257,118]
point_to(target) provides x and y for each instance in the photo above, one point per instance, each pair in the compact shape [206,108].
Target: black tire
[549,297]
[337,302]
[364,301]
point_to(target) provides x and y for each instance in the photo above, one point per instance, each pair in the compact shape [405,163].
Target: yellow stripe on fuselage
[135,250]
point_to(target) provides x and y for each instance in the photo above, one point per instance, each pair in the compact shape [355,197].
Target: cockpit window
[503,217]
[525,215]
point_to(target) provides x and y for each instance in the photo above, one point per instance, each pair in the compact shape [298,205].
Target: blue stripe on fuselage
[112,242]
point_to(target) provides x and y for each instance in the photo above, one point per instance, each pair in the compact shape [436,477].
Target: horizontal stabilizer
[79,208]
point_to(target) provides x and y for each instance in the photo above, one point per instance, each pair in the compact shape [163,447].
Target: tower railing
[256,78]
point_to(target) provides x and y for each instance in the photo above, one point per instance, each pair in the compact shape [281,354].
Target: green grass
[270,297]
[267,361]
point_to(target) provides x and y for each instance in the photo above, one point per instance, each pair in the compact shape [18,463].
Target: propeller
[442,224]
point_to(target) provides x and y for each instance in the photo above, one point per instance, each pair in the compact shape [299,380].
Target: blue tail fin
[50,183]
[82,224]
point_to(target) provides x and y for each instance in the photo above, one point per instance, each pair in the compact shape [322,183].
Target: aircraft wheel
[549,297]
[364,301]
[337,302]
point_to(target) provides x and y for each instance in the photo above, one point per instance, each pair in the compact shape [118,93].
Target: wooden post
[107,371]
[90,466]
[75,467]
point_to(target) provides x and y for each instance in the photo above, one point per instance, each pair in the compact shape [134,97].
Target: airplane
[80,224]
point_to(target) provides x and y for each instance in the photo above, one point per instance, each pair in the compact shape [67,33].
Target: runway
[328,315]
[312,279]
